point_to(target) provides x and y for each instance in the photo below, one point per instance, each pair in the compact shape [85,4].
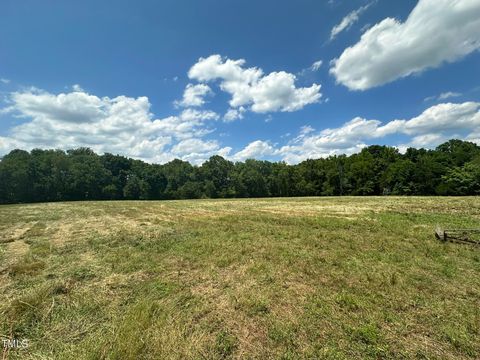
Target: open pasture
[332,278]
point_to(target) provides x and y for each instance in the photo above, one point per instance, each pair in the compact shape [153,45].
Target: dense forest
[453,168]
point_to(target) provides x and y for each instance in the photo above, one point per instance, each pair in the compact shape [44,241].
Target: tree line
[453,168]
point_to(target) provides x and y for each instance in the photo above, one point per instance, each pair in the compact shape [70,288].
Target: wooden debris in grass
[467,236]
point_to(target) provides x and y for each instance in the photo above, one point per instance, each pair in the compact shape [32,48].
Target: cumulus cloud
[432,127]
[435,32]
[347,139]
[443,118]
[125,125]
[254,150]
[251,87]
[435,125]
[122,125]
[194,95]
[197,150]
[234,114]
[348,21]
[277,91]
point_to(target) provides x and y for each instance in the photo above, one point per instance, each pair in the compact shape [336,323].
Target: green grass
[329,278]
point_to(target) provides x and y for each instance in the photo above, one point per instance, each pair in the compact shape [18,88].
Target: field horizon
[304,277]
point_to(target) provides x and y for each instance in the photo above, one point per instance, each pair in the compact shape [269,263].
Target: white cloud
[194,95]
[121,125]
[74,107]
[234,114]
[311,69]
[277,91]
[435,32]
[365,27]
[448,95]
[256,149]
[435,125]
[423,141]
[443,96]
[77,88]
[316,65]
[450,118]
[306,129]
[197,151]
[4,81]
[348,21]
[194,145]
[125,125]
[251,87]
[347,139]
[474,137]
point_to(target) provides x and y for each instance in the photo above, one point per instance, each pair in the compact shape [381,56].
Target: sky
[279,80]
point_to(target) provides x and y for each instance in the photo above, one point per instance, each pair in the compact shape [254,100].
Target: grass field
[333,278]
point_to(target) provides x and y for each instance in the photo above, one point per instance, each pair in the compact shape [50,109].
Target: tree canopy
[453,168]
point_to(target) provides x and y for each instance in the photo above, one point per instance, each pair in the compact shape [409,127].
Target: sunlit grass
[327,278]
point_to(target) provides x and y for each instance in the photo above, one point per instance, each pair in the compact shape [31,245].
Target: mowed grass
[325,278]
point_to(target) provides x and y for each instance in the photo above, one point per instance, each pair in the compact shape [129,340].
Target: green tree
[463,180]
[217,171]
[135,188]
[80,174]
[87,176]
[15,178]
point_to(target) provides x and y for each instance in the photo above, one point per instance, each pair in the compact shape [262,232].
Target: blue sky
[111,75]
